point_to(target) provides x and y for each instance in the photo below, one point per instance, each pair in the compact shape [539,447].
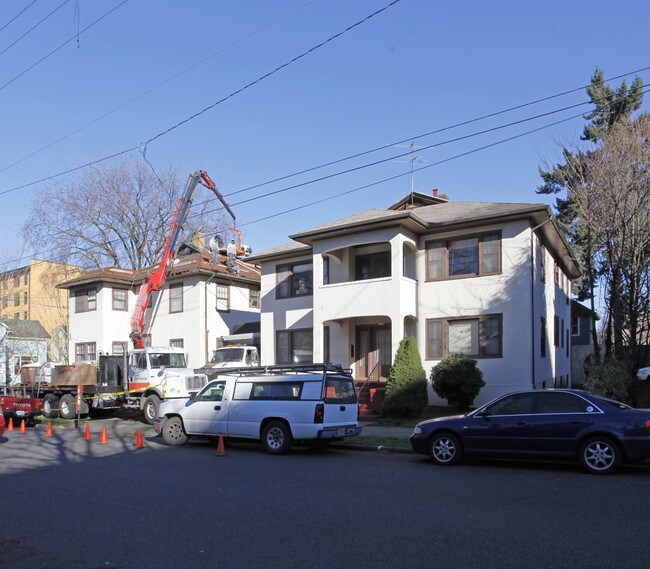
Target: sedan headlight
[417,430]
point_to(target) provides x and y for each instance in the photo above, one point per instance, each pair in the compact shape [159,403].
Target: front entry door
[373,352]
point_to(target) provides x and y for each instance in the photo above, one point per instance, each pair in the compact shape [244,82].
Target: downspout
[532,297]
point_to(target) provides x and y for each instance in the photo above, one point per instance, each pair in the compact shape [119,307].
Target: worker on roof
[231,251]
[214,250]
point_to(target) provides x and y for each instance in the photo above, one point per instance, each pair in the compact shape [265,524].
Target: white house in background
[200,306]
[491,280]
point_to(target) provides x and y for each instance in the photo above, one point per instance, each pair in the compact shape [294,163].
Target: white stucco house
[491,280]
[200,306]
[22,342]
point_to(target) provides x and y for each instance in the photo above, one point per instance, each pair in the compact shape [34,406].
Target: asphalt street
[73,503]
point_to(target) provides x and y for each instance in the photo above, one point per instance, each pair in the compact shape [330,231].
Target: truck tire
[50,406]
[68,406]
[150,408]
[276,438]
[173,432]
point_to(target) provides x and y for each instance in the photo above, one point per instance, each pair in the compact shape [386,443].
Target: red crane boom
[156,279]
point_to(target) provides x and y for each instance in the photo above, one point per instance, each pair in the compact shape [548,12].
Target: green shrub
[457,379]
[609,379]
[406,388]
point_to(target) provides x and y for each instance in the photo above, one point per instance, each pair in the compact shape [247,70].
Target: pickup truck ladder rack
[278,369]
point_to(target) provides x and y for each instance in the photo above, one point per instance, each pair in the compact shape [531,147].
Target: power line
[19,14]
[63,44]
[143,147]
[157,86]
[35,26]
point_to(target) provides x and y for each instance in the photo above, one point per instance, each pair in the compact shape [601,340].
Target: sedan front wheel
[445,449]
[599,455]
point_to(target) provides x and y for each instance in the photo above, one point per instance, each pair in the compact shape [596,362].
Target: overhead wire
[76,36]
[143,147]
[19,14]
[35,26]
[157,86]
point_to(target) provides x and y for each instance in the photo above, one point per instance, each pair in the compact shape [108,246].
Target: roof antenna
[414,157]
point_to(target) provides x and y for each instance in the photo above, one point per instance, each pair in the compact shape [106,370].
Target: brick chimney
[435,192]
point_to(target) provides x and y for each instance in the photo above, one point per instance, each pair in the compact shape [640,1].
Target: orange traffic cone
[221,451]
[10,426]
[103,439]
[22,426]
[48,431]
[138,439]
[87,433]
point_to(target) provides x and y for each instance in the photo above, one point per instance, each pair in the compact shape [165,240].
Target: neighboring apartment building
[30,293]
[491,280]
[198,306]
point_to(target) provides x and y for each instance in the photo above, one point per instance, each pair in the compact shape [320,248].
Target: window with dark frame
[479,337]
[542,336]
[176,298]
[326,343]
[542,264]
[326,270]
[177,343]
[567,343]
[85,351]
[372,266]
[294,346]
[575,326]
[16,299]
[556,331]
[294,280]
[120,299]
[464,257]
[85,300]
[119,348]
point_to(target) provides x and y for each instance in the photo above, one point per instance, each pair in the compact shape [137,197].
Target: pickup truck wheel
[173,432]
[50,406]
[150,408]
[276,438]
[67,407]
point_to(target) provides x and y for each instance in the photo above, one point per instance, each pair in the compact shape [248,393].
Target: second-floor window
[176,298]
[464,257]
[119,348]
[85,300]
[294,280]
[85,352]
[16,299]
[177,343]
[254,296]
[223,297]
[575,326]
[372,266]
[120,301]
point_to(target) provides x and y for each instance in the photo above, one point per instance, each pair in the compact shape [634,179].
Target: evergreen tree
[406,388]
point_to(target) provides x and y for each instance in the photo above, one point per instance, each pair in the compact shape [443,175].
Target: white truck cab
[161,373]
[234,356]
[276,405]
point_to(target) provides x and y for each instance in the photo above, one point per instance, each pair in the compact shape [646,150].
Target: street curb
[370,448]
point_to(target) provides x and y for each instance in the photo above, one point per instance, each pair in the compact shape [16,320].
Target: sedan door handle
[342,407]
[217,407]
[521,422]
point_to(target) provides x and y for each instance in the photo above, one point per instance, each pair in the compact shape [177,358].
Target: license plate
[20,413]
[341,432]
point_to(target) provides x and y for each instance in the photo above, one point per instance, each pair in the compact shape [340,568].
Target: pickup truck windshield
[167,359]
[227,355]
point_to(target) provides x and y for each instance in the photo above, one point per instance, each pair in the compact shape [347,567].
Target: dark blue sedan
[559,423]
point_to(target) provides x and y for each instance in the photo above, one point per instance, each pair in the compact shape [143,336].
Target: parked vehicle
[17,404]
[141,379]
[2,421]
[571,424]
[643,373]
[276,405]
[233,356]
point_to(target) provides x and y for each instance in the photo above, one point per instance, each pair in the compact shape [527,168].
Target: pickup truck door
[206,413]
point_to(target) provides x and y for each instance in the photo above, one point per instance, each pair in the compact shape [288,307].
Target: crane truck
[143,377]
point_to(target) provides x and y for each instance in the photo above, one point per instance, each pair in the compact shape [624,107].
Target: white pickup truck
[276,405]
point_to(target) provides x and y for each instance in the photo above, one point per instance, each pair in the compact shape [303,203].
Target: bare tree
[115,216]
[613,200]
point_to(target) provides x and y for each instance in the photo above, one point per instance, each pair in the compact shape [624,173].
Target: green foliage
[406,388]
[609,379]
[458,379]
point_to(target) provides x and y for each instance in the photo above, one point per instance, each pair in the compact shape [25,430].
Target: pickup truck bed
[18,407]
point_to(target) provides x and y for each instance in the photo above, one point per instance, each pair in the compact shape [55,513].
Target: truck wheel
[50,406]
[68,406]
[150,408]
[173,432]
[276,438]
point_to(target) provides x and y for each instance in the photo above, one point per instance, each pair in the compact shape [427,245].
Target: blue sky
[419,66]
